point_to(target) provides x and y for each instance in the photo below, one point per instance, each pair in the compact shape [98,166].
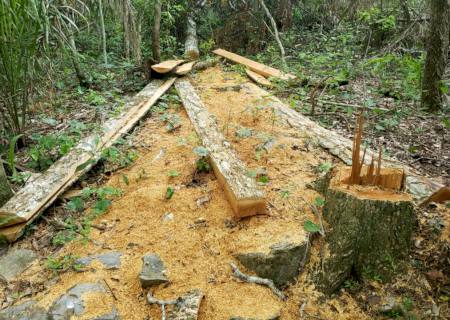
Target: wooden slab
[242,191]
[184,68]
[258,78]
[419,187]
[166,66]
[37,195]
[257,67]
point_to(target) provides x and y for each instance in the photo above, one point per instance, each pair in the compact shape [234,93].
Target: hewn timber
[341,147]
[257,67]
[37,195]
[259,79]
[184,68]
[166,66]
[242,191]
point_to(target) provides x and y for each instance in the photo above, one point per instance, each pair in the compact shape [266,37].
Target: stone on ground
[187,306]
[25,311]
[110,260]
[15,262]
[152,272]
[73,303]
[278,257]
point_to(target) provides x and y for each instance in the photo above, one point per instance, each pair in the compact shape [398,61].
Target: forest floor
[196,236]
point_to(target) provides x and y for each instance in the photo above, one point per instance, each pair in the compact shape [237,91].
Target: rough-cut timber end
[258,78]
[166,66]
[242,191]
[12,233]
[184,68]
[257,67]
[369,231]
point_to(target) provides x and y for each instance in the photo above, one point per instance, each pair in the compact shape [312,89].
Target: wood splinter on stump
[370,219]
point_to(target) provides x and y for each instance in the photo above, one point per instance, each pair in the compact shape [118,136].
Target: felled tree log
[242,191]
[191,51]
[369,230]
[341,147]
[202,65]
[38,194]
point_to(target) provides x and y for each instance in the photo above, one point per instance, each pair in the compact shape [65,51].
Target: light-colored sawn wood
[341,147]
[257,67]
[184,68]
[37,195]
[258,78]
[166,66]
[242,191]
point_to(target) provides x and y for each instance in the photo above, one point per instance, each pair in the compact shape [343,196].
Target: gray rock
[110,260]
[15,262]
[152,272]
[187,306]
[25,311]
[72,304]
[282,264]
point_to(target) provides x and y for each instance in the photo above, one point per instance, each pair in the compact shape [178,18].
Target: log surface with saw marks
[242,191]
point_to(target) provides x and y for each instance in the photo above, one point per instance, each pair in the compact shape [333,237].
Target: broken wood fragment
[166,66]
[242,191]
[37,195]
[205,64]
[184,68]
[257,67]
[440,196]
[258,78]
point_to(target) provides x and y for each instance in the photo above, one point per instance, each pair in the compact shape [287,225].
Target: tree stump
[369,228]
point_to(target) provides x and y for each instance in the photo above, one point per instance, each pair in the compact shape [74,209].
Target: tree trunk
[102,26]
[275,31]
[437,51]
[126,29]
[406,14]
[369,232]
[156,32]
[82,79]
[284,14]
[191,45]
[5,189]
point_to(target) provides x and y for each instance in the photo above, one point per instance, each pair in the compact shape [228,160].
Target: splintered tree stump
[370,228]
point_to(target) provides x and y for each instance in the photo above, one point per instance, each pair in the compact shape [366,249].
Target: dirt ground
[198,255]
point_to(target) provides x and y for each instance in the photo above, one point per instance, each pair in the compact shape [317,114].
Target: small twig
[318,215]
[257,280]
[162,303]
[110,289]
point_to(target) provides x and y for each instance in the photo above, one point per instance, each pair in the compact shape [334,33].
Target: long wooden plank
[419,187]
[34,197]
[167,66]
[257,67]
[258,78]
[184,68]
[242,191]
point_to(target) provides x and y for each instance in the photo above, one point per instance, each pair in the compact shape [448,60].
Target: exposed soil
[197,255]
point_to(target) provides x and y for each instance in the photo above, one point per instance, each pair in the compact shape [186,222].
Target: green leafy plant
[324,167]
[202,163]
[173,173]
[311,226]
[170,191]
[61,264]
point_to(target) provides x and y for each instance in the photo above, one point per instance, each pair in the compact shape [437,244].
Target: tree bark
[406,14]
[369,232]
[5,189]
[191,45]
[436,60]
[103,31]
[284,14]
[156,32]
